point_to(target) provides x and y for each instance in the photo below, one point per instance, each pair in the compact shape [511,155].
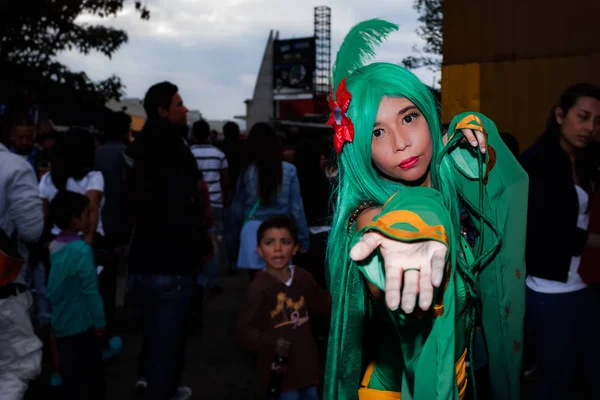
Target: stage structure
[293,81]
[323,49]
[304,106]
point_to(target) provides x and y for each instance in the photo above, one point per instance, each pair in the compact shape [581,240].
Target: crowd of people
[177,203]
[433,277]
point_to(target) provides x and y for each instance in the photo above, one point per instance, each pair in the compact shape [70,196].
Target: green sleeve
[410,215]
[429,349]
[89,286]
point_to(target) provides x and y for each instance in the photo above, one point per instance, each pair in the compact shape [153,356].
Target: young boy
[77,309]
[277,307]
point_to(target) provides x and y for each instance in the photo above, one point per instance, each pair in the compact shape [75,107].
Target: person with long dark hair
[562,311]
[267,187]
[73,170]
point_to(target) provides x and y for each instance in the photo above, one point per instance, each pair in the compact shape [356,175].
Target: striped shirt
[211,161]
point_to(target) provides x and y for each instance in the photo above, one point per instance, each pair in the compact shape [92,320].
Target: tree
[431,30]
[34,32]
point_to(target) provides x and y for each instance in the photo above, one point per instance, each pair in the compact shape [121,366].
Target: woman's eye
[409,118]
[377,133]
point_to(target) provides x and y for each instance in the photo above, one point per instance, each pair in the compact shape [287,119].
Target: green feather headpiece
[359,47]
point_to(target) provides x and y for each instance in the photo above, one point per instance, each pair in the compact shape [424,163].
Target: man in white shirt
[20,213]
[213,164]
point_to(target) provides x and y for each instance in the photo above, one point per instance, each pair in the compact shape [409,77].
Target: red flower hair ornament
[343,127]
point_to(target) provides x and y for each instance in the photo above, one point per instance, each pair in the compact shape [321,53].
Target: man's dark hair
[201,131]
[281,221]
[117,126]
[66,205]
[231,130]
[159,95]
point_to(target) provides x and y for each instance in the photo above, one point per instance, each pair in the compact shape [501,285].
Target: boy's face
[82,223]
[277,247]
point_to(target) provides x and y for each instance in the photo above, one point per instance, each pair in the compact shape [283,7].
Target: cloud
[248,80]
[212,49]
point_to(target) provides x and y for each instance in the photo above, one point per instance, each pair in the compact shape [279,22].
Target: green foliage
[431,30]
[34,32]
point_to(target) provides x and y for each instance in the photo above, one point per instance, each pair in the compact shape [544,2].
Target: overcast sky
[212,49]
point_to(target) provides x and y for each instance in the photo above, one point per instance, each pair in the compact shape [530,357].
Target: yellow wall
[517,95]
[510,59]
[461,89]
[137,123]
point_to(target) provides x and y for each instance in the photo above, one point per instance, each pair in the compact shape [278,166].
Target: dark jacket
[552,233]
[166,203]
[109,160]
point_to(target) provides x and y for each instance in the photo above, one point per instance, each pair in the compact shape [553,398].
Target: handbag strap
[253,211]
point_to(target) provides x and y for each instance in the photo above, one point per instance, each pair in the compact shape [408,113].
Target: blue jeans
[36,280]
[211,275]
[565,331]
[308,393]
[162,303]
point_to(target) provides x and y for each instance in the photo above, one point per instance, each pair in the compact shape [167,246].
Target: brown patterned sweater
[273,310]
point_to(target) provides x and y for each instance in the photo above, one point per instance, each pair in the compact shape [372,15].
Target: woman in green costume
[408,290]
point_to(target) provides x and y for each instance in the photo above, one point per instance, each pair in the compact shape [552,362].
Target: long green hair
[359,180]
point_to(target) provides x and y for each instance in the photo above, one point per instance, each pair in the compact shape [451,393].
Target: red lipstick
[409,162]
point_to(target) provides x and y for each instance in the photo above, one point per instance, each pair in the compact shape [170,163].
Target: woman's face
[401,146]
[581,123]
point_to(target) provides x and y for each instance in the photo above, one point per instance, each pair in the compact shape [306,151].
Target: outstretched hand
[420,265]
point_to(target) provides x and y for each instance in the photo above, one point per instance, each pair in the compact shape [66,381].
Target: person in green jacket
[77,309]
[410,293]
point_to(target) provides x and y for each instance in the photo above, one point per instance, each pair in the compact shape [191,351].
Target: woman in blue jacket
[267,187]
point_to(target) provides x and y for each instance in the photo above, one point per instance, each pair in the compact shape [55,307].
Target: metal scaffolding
[323,49]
